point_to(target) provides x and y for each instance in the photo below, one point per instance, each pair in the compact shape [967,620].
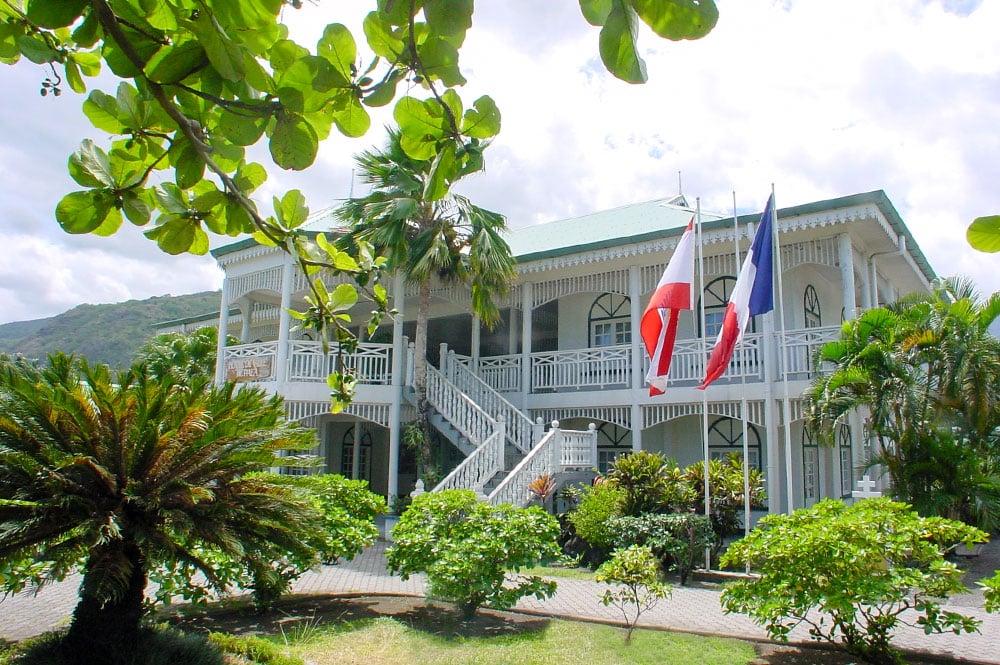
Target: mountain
[109,334]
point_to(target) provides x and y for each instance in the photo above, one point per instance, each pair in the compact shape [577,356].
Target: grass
[560,572]
[389,641]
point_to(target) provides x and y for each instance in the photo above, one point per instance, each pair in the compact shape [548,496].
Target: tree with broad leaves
[116,475]
[204,79]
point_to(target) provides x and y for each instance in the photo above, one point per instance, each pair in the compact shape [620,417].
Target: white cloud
[822,99]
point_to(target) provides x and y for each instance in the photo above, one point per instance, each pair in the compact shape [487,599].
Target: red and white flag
[752,295]
[658,327]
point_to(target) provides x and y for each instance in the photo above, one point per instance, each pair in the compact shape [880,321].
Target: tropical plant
[200,82]
[677,539]
[851,574]
[543,487]
[591,519]
[117,475]
[926,371]
[428,233]
[183,355]
[634,571]
[991,592]
[652,482]
[727,504]
[471,552]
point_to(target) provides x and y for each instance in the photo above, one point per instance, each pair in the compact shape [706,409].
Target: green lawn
[391,641]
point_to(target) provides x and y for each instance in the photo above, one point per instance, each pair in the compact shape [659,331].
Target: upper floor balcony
[603,368]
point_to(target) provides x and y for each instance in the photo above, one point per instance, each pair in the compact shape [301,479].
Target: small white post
[866,489]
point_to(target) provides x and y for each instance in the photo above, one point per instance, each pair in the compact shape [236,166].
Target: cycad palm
[122,473]
[426,234]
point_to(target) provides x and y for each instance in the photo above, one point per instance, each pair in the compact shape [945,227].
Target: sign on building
[254,368]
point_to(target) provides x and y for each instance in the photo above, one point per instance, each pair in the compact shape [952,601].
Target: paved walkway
[690,609]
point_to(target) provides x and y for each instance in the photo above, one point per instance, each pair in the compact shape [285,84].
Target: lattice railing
[800,347]
[603,367]
[371,363]
[559,450]
[520,429]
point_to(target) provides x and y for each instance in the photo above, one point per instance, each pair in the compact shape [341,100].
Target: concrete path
[690,609]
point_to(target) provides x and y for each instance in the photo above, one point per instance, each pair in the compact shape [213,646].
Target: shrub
[652,483]
[598,505]
[727,503]
[634,570]
[991,592]
[850,573]
[156,646]
[253,649]
[677,540]
[467,548]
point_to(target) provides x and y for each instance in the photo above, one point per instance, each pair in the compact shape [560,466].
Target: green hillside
[109,334]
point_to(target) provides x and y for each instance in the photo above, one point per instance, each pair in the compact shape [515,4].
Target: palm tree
[118,474]
[927,371]
[426,236]
[183,355]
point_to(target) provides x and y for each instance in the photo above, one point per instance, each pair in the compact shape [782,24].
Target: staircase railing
[478,468]
[558,450]
[521,432]
[459,409]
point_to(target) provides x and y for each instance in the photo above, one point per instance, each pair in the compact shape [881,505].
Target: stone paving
[693,609]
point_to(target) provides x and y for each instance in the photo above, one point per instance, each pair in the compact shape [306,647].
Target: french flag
[753,295]
[658,327]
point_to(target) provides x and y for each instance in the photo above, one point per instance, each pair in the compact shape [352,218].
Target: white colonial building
[568,350]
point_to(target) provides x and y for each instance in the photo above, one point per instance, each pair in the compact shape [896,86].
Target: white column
[284,321]
[398,381]
[526,308]
[246,308]
[846,259]
[638,379]
[356,459]
[477,337]
[220,347]
[774,488]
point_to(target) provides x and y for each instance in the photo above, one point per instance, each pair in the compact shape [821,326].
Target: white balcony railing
[371,363]
[800,349]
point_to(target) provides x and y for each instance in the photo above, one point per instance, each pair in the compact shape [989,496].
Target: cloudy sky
[822,99]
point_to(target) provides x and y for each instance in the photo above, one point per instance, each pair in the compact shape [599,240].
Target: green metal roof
[639,222]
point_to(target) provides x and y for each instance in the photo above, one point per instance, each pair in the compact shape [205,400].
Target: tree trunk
[107,629]
[420,364]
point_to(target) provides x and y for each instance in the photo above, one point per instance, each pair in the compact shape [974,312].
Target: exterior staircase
[505,451]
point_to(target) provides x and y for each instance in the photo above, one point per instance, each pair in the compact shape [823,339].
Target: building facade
[559,385]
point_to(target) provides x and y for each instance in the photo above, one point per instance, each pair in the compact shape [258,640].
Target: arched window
[846,448]
[609,320]
[613,441]
[811,308]
[714,300]
[725,437]
[347,455]
[810,468]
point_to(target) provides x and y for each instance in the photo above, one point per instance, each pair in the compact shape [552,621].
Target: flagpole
[786,412]
[704,394]
[743,394]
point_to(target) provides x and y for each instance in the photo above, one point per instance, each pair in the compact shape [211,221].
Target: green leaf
[89,166]
[337,46]
[36,50]
[595,11]
[449,17]
[188,165]
[49,14]
[171,198]
[89,63]
[87,33]
[383,40]
[483,120]
[421,125]
[135,208]
[112,222]
[250,176]
[294,143]
[618,45]
[440,60]
[225,55]
[678,19]
[176,235]
[984,233]
[82,212]
[384,91]
[102,111]
[291,209]
[303,87]
[344,297]
[443,171]
[172,64]
[241,128]
[350,116]
[74,79]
